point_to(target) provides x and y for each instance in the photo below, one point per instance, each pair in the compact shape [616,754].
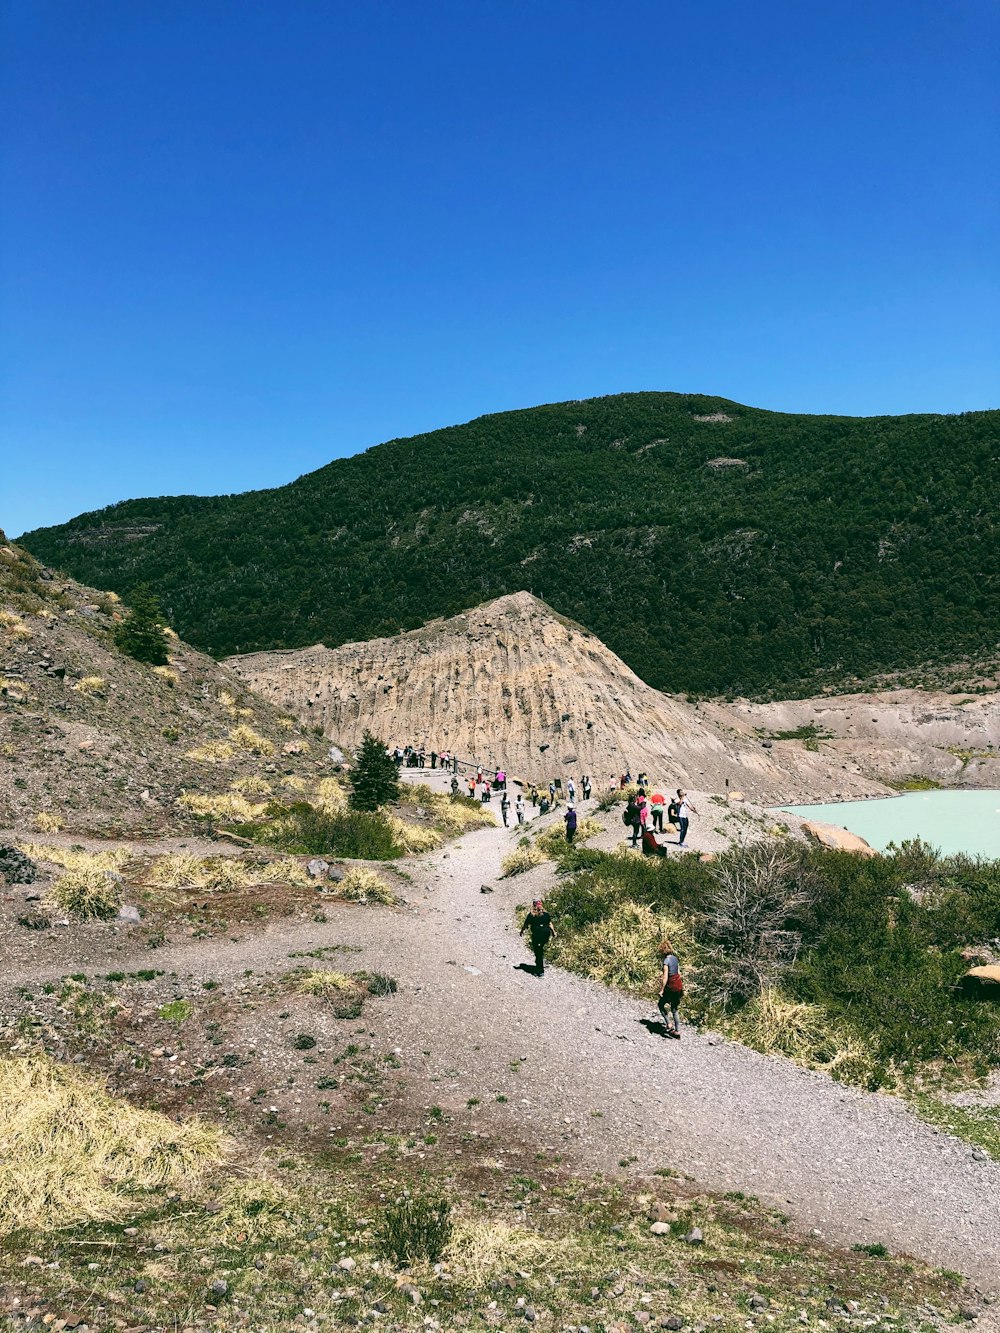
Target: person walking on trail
[643,805]
[505,809]
[630,819]
[519,808]
[671,989]
[552,793]
[585,784]
[570,820]
[571,789]
[471,781]
[656,804]
[684,812]
[534,795]
[542,930]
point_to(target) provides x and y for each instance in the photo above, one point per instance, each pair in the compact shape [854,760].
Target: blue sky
[243,237]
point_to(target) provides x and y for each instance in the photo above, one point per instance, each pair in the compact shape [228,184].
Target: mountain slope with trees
[717,548]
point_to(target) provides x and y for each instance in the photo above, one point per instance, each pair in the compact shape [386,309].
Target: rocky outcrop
[513,683]
[836,838]
[983,982]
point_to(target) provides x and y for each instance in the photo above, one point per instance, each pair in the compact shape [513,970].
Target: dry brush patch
[72,1152]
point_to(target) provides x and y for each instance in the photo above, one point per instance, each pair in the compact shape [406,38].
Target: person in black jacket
[542,930]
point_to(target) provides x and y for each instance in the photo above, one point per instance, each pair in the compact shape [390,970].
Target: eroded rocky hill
[513,683]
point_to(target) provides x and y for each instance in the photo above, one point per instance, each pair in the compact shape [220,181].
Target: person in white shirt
[687,810]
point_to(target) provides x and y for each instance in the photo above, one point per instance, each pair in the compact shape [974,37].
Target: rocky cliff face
[511,683]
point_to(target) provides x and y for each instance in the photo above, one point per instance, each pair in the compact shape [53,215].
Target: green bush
[306,830]
[140,634]
[414,1227]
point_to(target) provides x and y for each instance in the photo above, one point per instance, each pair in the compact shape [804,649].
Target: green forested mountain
[833,546]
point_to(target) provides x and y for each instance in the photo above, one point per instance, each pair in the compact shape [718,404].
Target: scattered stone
[758,1302]
[673,1321]
[129,913]
[347,1264]
[529,1314]
[409,1291]
[485,888]
[980,1155]
[694,1236]
[16,868]
[660,1229]
[318,869]
[837,839]
[219,1288]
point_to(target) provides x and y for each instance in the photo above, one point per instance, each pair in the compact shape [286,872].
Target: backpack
[673,812]
[626,818]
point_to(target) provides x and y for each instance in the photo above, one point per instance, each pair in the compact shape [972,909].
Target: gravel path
[582,1073]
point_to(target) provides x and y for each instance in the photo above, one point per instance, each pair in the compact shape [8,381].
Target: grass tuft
[363,885]
[73,1153]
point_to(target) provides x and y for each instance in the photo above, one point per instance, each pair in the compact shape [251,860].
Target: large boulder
[836,838]
[983,982]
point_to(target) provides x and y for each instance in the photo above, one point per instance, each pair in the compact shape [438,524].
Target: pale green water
[952,821]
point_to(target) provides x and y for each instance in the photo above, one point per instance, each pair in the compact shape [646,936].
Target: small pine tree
[140,634]
[375,779]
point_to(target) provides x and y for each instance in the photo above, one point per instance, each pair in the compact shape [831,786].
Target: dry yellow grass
[331,795]
[47,822]
[220,874]
[553,840]
[74,858]
[450,816]
[211,752]
[245,738]
[221,805]
[73,1153]
[318,981]
[90,685]
[13,626]
[167,674]
[86,891]
[519,860]
[363,885]
[778,1025]
[621,950]
[479,1252]
[413,837]
[252,785]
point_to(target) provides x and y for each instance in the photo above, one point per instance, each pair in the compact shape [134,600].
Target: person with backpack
[671,988]
[570,820]
[542,930]
[684,812]
[630,818]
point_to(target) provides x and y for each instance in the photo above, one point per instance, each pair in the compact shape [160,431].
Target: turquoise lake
[952,821]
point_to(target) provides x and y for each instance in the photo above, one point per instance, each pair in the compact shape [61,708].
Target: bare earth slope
[101,741]
[513,683]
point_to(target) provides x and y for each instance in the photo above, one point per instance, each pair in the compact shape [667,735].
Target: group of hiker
[417,756]
[541,929]
[644,816]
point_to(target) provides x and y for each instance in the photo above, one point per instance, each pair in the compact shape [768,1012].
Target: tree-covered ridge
[833,547]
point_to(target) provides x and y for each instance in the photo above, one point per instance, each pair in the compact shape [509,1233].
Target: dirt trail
[581,1072]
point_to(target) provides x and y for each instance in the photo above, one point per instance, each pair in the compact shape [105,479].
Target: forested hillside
[715,547]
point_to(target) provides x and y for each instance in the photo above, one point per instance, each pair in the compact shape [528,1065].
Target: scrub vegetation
[846,963]
[841,549]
